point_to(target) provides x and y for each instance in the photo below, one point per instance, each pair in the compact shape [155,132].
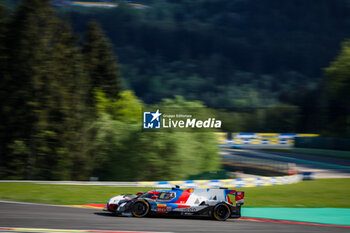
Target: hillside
[226,53]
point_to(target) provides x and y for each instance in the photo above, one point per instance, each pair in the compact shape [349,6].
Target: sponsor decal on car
[161,208]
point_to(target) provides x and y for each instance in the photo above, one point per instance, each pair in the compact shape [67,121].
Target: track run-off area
[31,217]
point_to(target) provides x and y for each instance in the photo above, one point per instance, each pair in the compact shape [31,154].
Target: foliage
[338,74]
[45,85]
[126,108]
[233,55]
[64,115]
[338,81]
[29,49]
[226,53]
[100,62]
[121,151]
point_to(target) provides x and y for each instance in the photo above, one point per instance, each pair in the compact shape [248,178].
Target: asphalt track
[322,167]
[309,160]
[21,215]
[322,159]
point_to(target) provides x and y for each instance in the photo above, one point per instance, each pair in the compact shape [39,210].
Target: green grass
[319,193]
[62,194]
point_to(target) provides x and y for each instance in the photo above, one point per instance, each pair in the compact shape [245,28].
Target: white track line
[18,229]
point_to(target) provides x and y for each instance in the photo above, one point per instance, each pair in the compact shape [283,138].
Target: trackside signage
[157,119]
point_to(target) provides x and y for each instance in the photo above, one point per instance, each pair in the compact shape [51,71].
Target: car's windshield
[166,196]
[160,196]
[149,195]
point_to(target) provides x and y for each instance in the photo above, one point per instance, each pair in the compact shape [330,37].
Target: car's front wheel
[140,208]
[221,212]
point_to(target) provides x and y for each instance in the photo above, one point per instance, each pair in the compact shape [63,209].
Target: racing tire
[140,208]
[221,212]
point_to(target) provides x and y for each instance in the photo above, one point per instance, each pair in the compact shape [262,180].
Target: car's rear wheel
[140,208]
[221,212]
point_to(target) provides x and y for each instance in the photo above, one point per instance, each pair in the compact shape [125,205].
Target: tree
[29,34]
[338,85]
[121,151]
[127,108]
[101,63]
[2,87]
[2,36]
[282,118]
[67,106]
[46,95]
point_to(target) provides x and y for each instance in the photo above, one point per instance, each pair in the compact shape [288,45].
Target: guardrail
[238,183]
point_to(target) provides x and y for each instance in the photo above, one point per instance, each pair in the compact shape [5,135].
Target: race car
[220,204]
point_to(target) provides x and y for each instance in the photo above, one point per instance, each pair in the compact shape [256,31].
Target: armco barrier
[243,182]
[238,183]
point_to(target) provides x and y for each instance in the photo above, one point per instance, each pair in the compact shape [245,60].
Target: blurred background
[74,77]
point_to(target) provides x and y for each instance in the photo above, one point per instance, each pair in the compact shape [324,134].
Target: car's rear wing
[239,197]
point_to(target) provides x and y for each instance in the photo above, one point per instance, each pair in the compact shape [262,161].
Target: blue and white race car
[220,204]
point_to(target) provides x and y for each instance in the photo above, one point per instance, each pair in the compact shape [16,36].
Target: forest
[261,64]
[65,116]
[74,82]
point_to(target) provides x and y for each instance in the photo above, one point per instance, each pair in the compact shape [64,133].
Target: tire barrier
[237,183]
[260,138]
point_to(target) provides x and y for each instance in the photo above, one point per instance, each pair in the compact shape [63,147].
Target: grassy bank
[319,193]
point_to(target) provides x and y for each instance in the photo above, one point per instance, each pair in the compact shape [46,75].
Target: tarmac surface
[27,215]
[321,159]
[321,167]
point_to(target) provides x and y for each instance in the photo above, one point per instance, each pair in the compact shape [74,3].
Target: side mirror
[139,193]
[154,197]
